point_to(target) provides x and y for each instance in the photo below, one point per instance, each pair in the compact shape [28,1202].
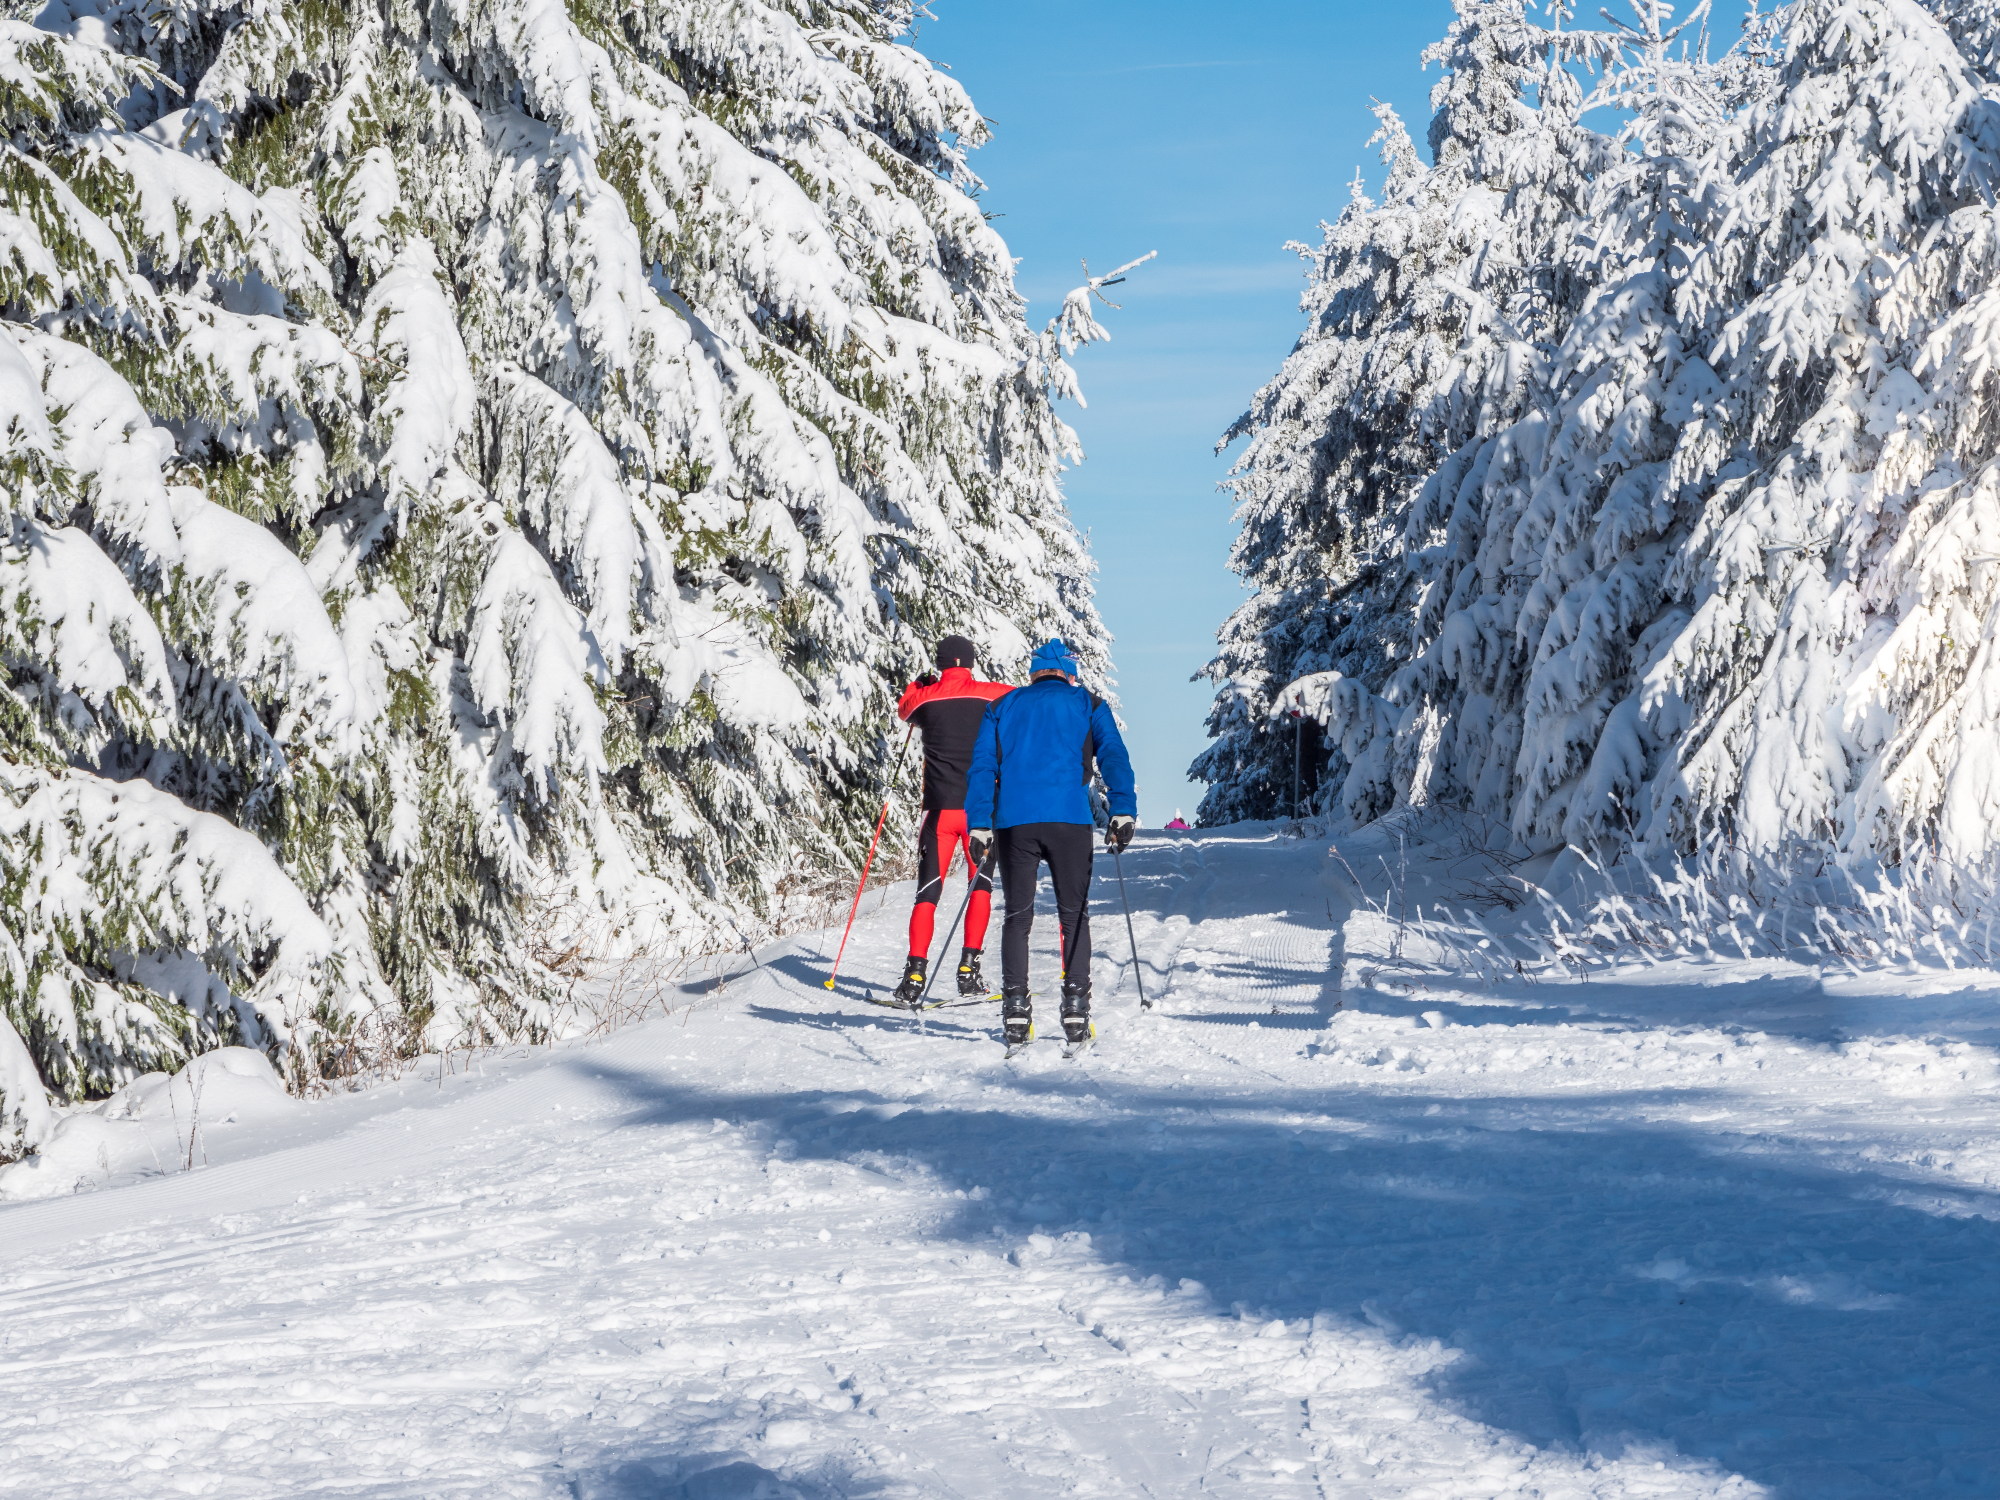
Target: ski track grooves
[1268,1240]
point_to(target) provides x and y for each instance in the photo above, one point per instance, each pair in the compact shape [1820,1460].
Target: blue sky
[1212,134]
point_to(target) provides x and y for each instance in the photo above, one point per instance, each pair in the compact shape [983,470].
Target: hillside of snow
[1325,1222]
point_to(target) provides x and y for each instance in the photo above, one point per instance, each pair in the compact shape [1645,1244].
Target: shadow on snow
[1608,1283]
[721,1476]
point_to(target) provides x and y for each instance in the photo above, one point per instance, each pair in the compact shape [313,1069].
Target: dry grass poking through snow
[1488,909]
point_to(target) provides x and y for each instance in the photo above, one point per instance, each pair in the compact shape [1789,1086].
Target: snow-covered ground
[1317,1226]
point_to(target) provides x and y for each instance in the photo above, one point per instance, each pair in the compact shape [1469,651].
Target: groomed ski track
[1715,1230]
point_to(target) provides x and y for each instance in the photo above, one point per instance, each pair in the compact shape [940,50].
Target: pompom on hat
[1053,657]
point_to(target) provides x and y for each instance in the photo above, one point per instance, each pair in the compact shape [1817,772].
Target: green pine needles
[464,460]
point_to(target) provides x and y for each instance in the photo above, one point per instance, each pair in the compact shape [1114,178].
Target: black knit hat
[954,651]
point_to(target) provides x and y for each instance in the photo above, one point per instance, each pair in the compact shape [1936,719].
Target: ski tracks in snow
[1679,1236]
[1166,931]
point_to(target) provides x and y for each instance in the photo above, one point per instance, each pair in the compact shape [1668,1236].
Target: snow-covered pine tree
[1835,678]
[175,699]
[1314,488]
[1731,576]
[1560,527]
[529,444]
[1430,318]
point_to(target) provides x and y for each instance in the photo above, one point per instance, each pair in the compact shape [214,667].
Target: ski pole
[880,819]
[1118,858]
[1068,944]
[1138,974]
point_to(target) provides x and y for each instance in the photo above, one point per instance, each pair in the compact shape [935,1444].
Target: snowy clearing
[1311,1228]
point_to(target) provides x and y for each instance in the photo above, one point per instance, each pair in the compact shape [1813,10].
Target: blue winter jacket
[1029,758]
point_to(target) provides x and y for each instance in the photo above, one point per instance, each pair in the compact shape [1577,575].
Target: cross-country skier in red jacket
[947,708]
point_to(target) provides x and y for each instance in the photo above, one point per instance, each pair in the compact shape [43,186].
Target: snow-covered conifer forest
[1637,475]
[472,461]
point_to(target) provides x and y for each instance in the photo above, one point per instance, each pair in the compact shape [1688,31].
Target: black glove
[929,679]
[1119,834]
[980,840]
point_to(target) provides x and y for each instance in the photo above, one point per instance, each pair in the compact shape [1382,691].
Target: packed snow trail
[1730,1231]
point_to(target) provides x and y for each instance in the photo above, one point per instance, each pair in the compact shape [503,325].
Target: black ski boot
[912,988]
[969,982]
[1075,1014]
[1017,1020]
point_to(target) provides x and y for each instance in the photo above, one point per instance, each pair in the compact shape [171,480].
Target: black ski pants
[1068,848]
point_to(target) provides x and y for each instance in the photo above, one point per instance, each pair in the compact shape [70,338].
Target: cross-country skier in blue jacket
[1028,796]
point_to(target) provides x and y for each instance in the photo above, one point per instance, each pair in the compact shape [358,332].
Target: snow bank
[1658,1236]
[154,1125]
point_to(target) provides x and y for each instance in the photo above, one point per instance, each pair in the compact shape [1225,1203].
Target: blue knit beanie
[1054,657]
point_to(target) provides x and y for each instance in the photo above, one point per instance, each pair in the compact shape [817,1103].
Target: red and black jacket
[948,712]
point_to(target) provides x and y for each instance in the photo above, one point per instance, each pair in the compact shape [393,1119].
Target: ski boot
[911,990]
[1076,1014]
[969,982]
[1017,1022]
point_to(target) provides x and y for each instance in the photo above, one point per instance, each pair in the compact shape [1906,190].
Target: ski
[1015,1049]
[963,1000]
[1073,1050]
[890,1002]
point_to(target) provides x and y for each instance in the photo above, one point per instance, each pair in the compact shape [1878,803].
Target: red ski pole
[880,819]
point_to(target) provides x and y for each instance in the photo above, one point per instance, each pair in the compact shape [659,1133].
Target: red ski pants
[943,836]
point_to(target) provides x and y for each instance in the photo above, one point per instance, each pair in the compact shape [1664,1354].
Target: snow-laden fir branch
[1686,529]
[462,459]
